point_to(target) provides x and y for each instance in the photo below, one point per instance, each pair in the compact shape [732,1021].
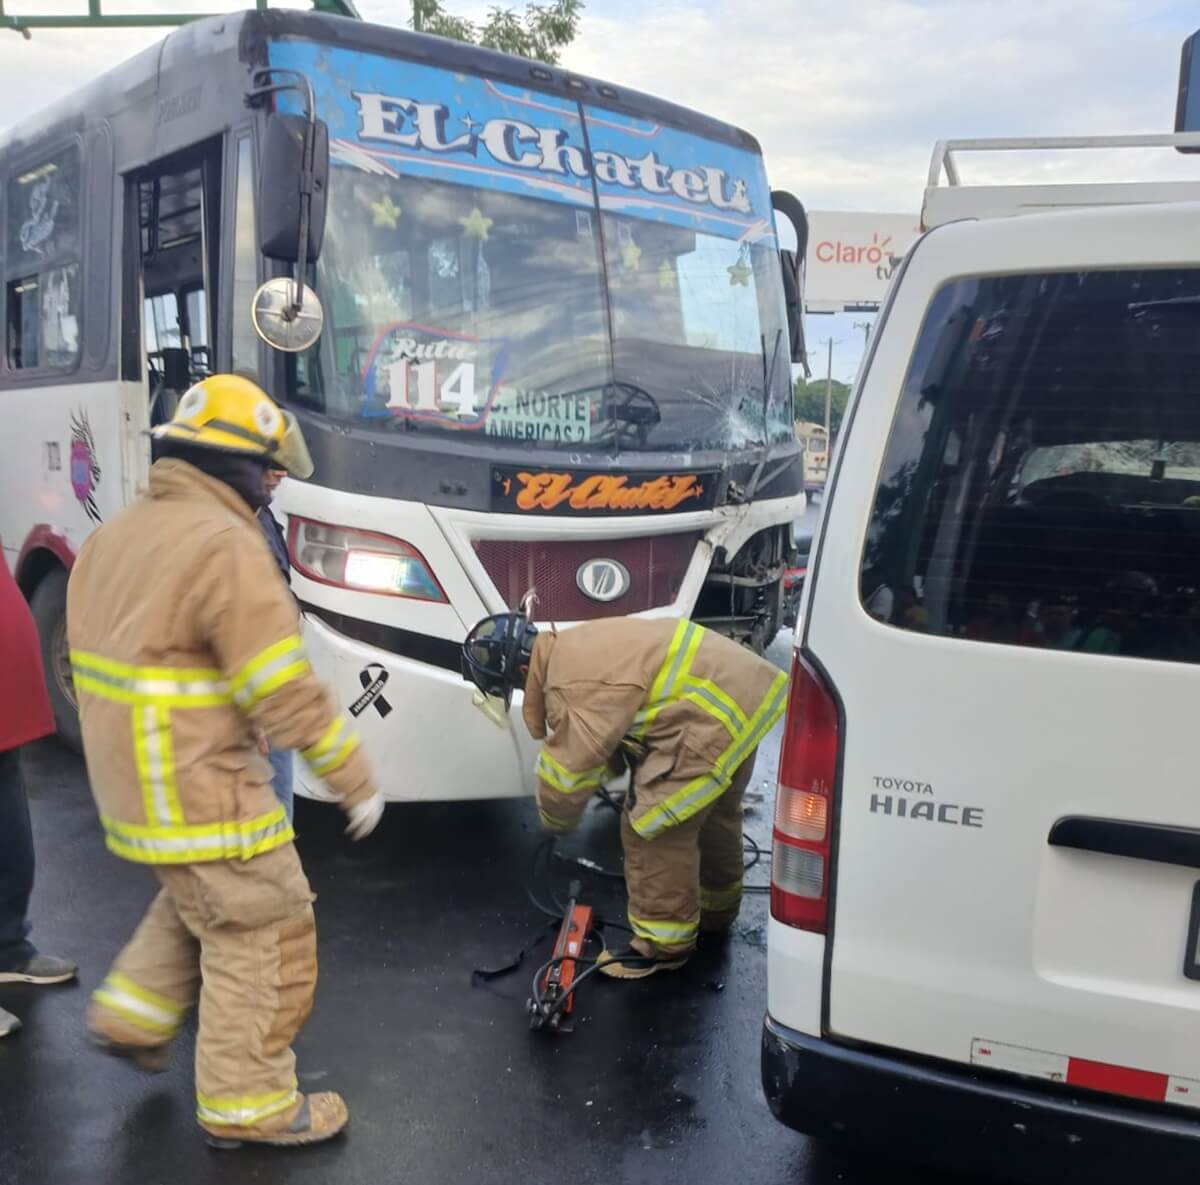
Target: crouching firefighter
[185,645]
[685,709]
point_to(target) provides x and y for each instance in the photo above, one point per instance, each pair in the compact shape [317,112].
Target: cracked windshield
[634,303]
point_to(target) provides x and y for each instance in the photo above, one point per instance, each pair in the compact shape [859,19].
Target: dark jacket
[276,541]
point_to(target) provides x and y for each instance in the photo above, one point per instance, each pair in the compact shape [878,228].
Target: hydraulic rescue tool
[553,1001]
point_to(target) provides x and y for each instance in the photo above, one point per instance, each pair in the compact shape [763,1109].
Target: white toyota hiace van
[984,942]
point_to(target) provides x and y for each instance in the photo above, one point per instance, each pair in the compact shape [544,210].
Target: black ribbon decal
[372,678]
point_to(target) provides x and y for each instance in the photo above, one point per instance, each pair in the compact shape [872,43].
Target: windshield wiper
[768,379]
[1188,303]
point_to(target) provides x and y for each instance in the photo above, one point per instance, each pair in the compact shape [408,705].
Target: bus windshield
[504,266]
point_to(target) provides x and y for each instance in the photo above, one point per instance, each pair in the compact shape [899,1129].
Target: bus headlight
[363,561]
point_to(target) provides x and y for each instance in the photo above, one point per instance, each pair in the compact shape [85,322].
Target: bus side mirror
[792,264]
[293,182]
[792,289]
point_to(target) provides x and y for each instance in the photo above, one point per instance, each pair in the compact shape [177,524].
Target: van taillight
[803,804]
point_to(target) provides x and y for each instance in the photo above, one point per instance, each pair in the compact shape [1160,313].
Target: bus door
[173,216]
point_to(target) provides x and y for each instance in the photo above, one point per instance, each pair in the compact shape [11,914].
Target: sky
[846,97]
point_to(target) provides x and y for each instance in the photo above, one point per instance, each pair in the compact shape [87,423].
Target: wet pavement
[659,1082]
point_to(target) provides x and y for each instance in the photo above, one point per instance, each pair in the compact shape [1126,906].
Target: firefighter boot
[633,964]
[320,1118]
[153,1059]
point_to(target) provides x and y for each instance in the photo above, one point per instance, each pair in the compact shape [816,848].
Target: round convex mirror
[278,324]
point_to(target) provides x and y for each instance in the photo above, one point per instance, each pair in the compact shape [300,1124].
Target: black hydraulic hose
[633,958]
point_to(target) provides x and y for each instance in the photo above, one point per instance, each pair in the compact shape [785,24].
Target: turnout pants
[239,936]
[689,877]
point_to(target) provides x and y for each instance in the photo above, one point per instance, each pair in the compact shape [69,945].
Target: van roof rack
[953,201]
[96,18]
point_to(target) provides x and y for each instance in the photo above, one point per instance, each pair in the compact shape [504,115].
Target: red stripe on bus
[1135,1084]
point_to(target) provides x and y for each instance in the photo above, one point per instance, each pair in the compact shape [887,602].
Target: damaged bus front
[557,356]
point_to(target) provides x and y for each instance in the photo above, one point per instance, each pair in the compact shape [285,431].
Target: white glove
[364,817]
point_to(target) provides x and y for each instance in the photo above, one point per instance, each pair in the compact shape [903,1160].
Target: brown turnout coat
[684,705]
[184,643]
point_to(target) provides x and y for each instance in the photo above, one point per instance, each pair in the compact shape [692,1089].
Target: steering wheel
[628,411]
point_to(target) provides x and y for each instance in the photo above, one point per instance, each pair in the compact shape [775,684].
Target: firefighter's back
[165,743]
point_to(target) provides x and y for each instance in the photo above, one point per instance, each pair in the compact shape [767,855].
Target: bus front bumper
[425,739]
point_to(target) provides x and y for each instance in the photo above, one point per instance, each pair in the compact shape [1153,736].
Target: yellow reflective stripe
[335,761]
[682,805]
[722,697]
[194,843]
[720,899]
[123,983]
[678,662]
[272,682]
[154,757]
[665,932]
[172,687]
[707,696]
[554,773]
[132,1013]
[141,761]
[243,1110]
[552,822]
[761,723]
[699,792]
[142,1008]
[122,695]
[269,670]
[124,670]
[328,739]
[333,750]
[169,788]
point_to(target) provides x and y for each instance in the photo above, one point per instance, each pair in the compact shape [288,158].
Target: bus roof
[247,34]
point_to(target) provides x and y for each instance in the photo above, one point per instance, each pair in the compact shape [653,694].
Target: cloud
[848,98]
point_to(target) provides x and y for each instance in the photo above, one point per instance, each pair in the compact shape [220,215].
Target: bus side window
[198,342]
[42,294]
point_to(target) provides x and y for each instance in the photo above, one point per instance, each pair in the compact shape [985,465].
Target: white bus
[556,349]
[815,441]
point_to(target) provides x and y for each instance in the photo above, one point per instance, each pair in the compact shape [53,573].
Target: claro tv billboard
[851,257]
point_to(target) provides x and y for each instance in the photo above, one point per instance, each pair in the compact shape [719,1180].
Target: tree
[810,402]
[540,33]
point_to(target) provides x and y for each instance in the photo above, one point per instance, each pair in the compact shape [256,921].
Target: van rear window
[1041,485]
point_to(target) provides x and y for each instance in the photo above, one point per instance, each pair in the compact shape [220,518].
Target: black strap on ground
[487,974]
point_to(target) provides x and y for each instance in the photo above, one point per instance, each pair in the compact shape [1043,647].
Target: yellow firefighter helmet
[234,415]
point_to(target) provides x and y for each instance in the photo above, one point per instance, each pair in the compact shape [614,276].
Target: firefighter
[185,647]
[685,709]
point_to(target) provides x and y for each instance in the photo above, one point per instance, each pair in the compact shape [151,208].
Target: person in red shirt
[25,716]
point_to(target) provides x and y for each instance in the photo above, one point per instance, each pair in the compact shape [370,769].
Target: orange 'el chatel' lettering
[548,491]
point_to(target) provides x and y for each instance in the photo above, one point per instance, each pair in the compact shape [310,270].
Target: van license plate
[1191,962]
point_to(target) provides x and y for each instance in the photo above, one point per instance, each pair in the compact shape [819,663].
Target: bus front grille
[656,565]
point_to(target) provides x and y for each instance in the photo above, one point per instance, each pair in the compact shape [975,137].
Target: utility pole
[829,344]
[865,326]
[828,391]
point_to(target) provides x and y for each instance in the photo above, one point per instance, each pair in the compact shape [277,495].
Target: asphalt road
[445,1083]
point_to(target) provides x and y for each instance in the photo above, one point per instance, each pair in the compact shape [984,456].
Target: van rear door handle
[1159,842]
